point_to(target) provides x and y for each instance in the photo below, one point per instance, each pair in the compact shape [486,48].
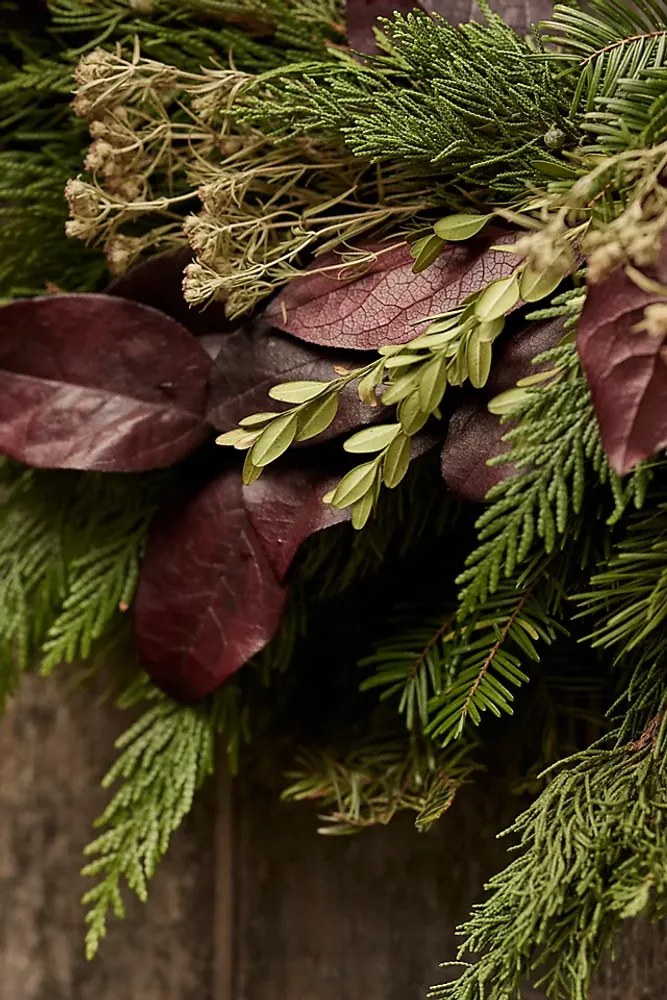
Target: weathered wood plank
[53,753]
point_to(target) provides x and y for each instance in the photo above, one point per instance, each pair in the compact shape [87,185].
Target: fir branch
[446,677]
[370,784]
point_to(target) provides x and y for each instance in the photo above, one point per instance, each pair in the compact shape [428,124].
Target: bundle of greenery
[332,344]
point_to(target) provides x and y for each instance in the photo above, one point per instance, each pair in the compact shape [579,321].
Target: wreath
[333,391]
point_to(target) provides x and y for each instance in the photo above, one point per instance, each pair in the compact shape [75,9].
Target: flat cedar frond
[592,851]
[464,103]
[69,552]
[370,784]
[556,440]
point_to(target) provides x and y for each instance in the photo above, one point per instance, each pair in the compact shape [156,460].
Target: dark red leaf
[362,17]
[519,14]
[625,368]
[158,282]
[378,307]
[474,435]
[257,357]
[285,507]
[208,598]
[95,382]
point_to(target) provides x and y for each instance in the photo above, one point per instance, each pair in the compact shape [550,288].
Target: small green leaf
[401,388]
[390,349]
[505,402]
[433,340]
[247,441]
[362,510]
[444,323]
[402,360]
[371,439]
[433,383]
[355,484]
[396,461]
[369,383]
[478,359]
[489,331]
[536,285]
[297,392]
[251,472]
[232,437]
[457,369]
[460,227]
[535,379]
[428,252]
[497,298]
[410,413]
[275,439]
[551,168]
[328,497]
[317,416]
[257,419]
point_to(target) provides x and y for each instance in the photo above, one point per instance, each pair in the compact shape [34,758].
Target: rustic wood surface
[53,753]
[250,904]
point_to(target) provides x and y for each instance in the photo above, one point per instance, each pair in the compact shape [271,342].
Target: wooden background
[250,904]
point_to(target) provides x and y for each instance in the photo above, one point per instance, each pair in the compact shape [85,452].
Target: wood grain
[250,904]
[53,753]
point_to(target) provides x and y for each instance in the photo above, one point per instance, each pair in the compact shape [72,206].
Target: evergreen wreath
[238,232]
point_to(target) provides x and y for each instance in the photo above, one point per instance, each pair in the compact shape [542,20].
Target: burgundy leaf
[158,282]
[257,357]
[95,382]
[625,368]
[285,507]
[362,15]
[474,435]
[208,598]
[378,307]
[519,14]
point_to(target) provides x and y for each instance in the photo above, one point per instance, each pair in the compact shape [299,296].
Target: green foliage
[592,851]
[377,779]
[41,141]
[627,601]
[605,47]
[555,446]
[165,757]
[446,675]
[466,103]
[70,546]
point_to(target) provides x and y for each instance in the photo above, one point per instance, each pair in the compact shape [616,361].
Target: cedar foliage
[460,117]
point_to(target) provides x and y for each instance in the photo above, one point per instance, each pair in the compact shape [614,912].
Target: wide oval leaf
[257,357]
[518,14]
[158,282]
[208,598]
[625,367]
[96,382]
[379,307]
[211,592]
